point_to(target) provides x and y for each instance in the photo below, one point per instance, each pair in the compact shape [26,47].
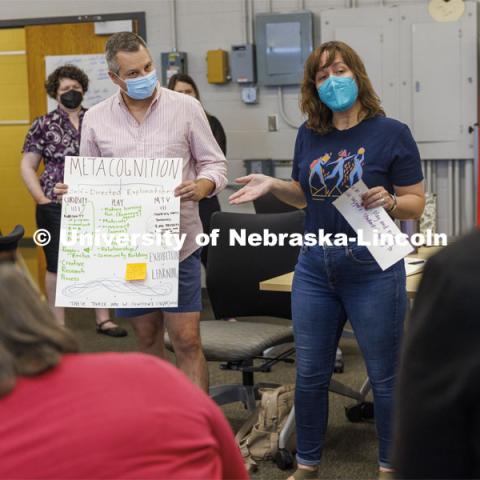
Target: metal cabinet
[424,71]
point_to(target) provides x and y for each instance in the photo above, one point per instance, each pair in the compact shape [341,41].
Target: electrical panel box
[173,63]
[434,120]
[217,66]
[284,41]
[249,95]
[242,63]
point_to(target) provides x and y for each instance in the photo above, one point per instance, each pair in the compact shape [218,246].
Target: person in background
[437,414]
[346,126]
[183,83]
[144,119]
[109,415]
[52,137]
[9,244]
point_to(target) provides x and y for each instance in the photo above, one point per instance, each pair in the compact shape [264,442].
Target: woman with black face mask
[52,137]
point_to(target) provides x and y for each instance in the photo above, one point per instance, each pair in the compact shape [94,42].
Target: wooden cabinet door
[61,39]
[58,39]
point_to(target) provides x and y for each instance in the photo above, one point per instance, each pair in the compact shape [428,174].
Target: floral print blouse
[54,137]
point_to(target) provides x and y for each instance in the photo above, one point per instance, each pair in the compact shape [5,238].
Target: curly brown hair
[319,116]
[65,71]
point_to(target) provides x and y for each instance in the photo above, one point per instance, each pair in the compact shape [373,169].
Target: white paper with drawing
[101,264]
[375,220]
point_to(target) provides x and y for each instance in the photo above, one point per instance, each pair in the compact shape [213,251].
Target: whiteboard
[94,65]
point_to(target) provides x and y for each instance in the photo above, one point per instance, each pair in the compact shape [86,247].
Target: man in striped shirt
[146,120]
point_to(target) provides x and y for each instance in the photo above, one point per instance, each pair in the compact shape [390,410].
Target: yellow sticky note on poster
[136,271]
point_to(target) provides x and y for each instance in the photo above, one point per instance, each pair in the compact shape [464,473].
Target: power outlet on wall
[272,123]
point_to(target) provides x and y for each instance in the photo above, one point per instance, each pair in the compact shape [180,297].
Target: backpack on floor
[258,436]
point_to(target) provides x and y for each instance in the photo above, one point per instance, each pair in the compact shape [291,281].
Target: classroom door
[44,40]
[62,39]
[58,39]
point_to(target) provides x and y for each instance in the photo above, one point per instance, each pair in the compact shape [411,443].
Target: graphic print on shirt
[330,178]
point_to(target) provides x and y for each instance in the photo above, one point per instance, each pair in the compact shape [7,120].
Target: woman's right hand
[60,189]
[255,185]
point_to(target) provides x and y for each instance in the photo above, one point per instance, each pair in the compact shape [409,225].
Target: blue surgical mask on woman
[338,93]
[141,88]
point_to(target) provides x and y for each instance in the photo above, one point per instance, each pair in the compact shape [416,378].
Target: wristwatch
[394,206]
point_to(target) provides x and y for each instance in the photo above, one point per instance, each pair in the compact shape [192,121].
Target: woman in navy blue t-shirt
[346,137]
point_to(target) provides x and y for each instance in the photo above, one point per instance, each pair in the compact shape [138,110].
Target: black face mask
[71,99]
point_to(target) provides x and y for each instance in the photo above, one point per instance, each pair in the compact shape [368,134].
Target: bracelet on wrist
[394,206]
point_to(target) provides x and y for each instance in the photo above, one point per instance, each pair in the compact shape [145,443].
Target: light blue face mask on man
[142,87]
[338,93]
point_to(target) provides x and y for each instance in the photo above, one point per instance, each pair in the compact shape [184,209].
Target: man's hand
[194,191]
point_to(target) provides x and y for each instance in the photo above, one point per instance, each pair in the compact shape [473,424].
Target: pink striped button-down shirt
[175,125]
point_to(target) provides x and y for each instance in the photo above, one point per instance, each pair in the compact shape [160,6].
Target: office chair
[269,203]
[9,252]
[233,277]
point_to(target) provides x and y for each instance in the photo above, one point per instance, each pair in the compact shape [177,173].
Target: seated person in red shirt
[66,415]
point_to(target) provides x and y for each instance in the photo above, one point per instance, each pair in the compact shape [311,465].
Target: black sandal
[115,331]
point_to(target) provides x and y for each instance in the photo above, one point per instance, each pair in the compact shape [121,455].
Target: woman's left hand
[377,197]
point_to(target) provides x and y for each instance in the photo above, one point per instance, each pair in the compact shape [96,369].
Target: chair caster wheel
[339,363]
[339,367]
[284,459]
[360,411]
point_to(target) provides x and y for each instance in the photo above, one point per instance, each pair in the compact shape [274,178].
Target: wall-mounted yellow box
[217,66]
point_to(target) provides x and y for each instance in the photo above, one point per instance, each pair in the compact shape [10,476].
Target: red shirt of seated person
[98,415]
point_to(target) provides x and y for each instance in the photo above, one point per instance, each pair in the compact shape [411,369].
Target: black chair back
[234,272]
[269,203]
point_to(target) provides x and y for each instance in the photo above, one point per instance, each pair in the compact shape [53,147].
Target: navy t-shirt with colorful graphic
[381,151]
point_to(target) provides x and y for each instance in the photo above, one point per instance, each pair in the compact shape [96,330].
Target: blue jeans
[331,285]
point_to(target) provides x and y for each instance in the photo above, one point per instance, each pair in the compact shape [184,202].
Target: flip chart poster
[115,220]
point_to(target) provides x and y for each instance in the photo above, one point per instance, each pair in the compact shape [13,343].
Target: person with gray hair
[146,120]
[121,42]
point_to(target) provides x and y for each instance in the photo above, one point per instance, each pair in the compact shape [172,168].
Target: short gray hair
[121,42]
